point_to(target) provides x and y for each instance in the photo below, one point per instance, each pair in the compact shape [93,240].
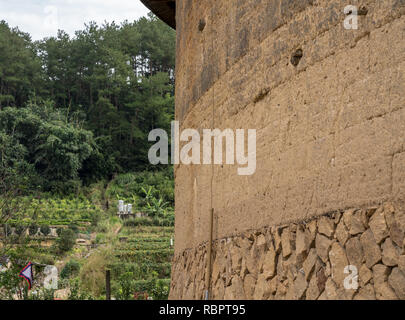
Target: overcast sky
[43,18]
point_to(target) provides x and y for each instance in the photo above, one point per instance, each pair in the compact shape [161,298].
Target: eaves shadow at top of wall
[164,9]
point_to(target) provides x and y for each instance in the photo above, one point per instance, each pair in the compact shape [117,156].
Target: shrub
[76,293]
[33,229]
[19,229]
[102,227]
[45,229]
[9,283]
[59,231]
[95,218]
[71,268]
[66,241]
[74,227]
[126,286]
[161,290]
[157,288]
[100,238]
[7,229]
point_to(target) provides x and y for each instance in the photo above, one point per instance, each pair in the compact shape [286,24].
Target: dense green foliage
[66,240]
[46,140]
[79,109]
[20,67]
[70,269]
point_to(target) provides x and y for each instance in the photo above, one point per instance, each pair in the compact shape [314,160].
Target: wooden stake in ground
[107,285]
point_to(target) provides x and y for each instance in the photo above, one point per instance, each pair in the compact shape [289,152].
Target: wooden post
[108,284]
[209,256]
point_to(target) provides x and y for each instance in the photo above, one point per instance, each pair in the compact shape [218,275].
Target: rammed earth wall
[330,134]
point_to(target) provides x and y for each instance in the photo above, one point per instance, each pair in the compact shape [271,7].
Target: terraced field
[139,256]
[144,253]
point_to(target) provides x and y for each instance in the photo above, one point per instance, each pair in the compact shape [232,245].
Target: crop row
[150,229]
[141,269]
[137,240]
[146,246]
[156,256]
[54,211]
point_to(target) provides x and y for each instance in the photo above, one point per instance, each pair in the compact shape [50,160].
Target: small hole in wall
[201,25]
[296,57]
[362,11]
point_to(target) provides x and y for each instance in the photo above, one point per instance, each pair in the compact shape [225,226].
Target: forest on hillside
[74,110]
[75,115]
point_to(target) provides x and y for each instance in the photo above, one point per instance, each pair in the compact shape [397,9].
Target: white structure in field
[120,206]
[125,210]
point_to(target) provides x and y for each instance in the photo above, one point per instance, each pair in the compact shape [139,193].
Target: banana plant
[156,207]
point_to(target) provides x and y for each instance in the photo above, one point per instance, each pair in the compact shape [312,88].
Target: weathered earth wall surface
[330,137]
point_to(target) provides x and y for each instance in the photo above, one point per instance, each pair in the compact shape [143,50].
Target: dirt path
[118,230]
